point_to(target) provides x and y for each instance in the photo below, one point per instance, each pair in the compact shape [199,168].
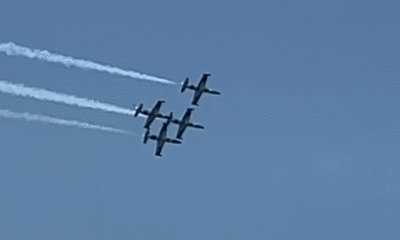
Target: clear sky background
[303,143]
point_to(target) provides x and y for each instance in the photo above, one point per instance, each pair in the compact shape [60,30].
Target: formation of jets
[182,124]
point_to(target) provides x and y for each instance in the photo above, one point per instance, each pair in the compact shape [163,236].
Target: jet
[153,114]
[161,138]
[200,89]
[185,123]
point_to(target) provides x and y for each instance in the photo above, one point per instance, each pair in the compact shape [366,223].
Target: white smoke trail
[13,49]
[42,94]
[41,118]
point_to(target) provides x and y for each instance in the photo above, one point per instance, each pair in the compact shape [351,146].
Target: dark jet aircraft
[185,123]
[161,138]
[153,114]
[200,89]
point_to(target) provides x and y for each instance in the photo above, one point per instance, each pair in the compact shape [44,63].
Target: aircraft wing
[160,144]
[196,97]
[181,129]
[203,81]
[187,114]
[157,106]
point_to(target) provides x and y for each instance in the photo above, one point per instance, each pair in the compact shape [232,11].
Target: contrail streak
[41,118]
[13,49]
[42,94]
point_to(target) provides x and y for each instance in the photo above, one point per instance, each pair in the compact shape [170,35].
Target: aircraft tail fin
[170,117]
[138,110]
[185,84]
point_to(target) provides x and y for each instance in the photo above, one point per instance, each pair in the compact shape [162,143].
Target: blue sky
[303,143]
